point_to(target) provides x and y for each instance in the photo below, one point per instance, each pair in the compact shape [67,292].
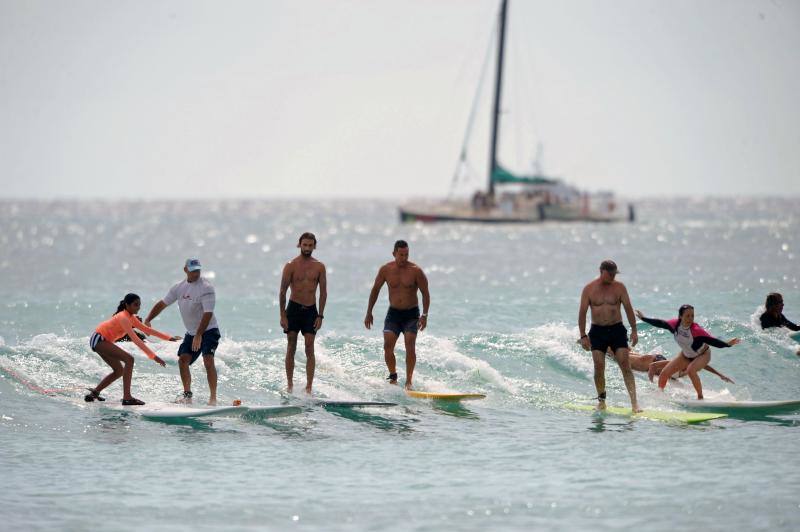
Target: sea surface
[503,322]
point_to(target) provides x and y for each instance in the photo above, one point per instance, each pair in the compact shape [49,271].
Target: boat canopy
[501,175]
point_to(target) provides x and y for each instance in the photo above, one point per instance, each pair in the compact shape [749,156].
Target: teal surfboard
[352,404]
[656,415]
[263,412]
[763,407]
[157,410]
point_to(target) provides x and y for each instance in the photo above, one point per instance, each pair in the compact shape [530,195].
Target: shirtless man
[303,274]
[404,279]
[605,295]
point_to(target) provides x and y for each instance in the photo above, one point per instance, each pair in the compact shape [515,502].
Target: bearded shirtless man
[303,275]
[404,279]
[605,296]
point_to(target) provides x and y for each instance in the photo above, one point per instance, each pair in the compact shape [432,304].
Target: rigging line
[517,98]
[462,156]
[461,76]
[528,72]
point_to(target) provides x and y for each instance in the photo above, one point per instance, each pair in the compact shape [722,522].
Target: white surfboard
[178,411]
[764,406]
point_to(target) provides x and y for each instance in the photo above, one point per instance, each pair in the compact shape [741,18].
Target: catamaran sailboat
[511,198]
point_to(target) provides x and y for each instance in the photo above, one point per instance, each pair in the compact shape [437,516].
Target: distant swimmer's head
[774,302]
[608,270]
[192,269]
[686,315]
[131,303]
[400,252]
[307,244]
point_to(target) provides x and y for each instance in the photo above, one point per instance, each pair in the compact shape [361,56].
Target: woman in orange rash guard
[102,343]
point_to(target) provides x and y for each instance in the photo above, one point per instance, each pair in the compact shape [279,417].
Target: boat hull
[444,214]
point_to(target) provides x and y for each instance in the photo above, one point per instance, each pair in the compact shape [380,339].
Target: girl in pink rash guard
[694,342]
[102,341]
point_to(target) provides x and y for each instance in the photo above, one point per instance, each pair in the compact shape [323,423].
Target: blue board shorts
[401,320]
[208,345]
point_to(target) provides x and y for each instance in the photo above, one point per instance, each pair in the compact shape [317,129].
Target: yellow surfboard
[444,396]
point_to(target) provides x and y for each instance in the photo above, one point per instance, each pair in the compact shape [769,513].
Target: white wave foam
[444,355]
[558,341]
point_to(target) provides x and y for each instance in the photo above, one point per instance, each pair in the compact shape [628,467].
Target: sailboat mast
[497,90]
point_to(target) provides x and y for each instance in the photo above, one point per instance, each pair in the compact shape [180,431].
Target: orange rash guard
[122,323]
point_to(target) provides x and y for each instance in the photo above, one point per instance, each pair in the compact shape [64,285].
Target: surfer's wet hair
[773,300]
[307,236]
[683,309]
[123,304]
[400,244]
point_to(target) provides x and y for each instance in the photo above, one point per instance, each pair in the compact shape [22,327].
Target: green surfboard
[657,415]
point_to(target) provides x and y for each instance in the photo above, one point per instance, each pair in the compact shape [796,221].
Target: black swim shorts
[401,320]
[604,336]
[301,318]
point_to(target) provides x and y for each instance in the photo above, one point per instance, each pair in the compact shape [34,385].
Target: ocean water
[503,322]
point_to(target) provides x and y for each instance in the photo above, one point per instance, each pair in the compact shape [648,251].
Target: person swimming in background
[773,315]
[102,342]
[694,342]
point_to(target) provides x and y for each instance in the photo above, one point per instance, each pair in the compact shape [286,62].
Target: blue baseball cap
[193,265]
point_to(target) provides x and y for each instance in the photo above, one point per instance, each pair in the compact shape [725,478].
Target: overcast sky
[313,98]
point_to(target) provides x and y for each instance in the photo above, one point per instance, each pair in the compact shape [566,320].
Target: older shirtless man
[303,274]
[404,279]
[605,295]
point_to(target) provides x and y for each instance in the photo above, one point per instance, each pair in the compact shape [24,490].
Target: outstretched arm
[718,374]
[126,326]
[713,342]
[789,325]
[661,324]
[154,312]
[149,330]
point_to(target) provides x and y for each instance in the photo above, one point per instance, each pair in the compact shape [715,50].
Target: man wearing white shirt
[196,299]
